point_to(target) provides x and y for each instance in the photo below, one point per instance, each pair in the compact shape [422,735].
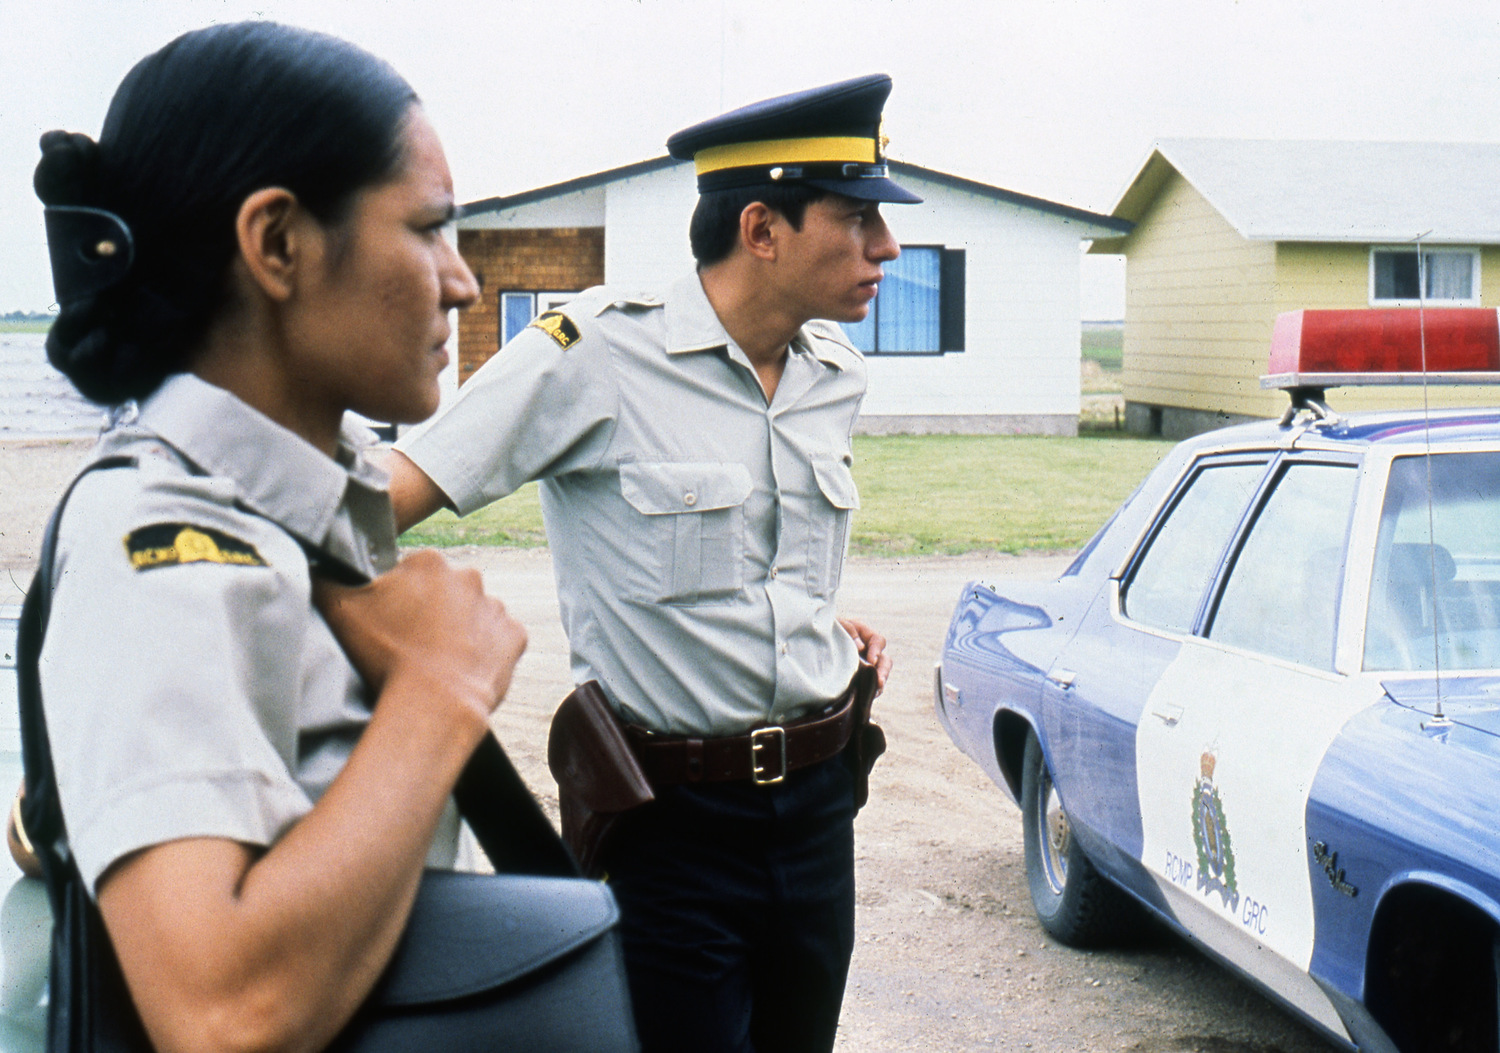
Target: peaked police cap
[826,137]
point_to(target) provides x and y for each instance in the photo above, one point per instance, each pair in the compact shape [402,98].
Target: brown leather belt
[763,755]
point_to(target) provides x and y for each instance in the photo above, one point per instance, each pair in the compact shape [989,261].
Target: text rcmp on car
[1264,701]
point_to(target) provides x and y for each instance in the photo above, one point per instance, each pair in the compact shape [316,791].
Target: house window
[517,309]
[1441,276]
[920,308]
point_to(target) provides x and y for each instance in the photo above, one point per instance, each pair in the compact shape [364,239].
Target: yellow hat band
[856,149]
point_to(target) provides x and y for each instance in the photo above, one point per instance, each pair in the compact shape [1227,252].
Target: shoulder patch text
[165,544]
[559,327]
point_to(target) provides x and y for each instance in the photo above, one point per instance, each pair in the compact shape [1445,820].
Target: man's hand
[871,649]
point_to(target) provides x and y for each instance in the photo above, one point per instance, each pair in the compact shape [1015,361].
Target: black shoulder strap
[42,812]
[491,795]
[507,821]
[88,1005]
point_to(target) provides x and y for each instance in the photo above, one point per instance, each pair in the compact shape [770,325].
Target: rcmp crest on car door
[1211,836]
[1226,753]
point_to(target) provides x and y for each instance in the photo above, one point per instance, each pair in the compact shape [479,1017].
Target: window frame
[1475,276]
[1274,464]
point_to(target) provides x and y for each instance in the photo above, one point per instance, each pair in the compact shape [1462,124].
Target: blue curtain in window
[907,314]
[910,304]
[862,334]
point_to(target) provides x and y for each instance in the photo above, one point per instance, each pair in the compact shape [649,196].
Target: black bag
[487,962]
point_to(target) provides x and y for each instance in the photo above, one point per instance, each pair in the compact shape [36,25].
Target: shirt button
[783,648]
[775,571]
[690,499]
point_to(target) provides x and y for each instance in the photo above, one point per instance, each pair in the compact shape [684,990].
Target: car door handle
[1063,678]
[1168,714]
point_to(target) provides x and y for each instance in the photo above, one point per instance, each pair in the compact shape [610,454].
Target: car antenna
[1439,719]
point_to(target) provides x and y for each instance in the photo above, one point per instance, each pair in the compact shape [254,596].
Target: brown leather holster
[868,741]
[598,777]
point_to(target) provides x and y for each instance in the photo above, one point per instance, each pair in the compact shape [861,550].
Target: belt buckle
[761,741]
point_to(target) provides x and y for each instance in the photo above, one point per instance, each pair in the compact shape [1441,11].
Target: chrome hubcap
[1055,835]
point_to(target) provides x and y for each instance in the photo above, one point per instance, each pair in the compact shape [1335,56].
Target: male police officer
[694,448]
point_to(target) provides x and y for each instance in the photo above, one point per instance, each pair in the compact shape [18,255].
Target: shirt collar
[692,325]
[278,474]
[825,342]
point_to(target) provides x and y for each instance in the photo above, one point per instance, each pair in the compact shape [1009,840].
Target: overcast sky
[1056,98]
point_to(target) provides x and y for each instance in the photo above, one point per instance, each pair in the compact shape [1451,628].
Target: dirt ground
[949,954]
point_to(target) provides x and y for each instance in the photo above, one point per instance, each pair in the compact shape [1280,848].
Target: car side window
[1435,590]
[1282,595]
[1170,579]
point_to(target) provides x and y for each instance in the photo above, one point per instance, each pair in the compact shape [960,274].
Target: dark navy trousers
[737,905]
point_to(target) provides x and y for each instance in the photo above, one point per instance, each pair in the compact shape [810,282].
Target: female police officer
[253,246]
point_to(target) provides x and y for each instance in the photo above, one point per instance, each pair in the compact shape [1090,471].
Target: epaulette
[626,301]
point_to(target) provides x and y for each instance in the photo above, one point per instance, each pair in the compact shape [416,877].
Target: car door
[1098,687]
[1236,728]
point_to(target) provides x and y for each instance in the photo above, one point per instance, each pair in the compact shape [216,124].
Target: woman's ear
[272,232]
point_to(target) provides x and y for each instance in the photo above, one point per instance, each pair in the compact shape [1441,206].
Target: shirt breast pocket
[828,535]
[690,546]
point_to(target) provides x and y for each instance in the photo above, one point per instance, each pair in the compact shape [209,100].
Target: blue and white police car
[1263,704]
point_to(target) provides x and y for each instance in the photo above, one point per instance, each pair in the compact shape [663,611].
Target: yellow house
[1229,233]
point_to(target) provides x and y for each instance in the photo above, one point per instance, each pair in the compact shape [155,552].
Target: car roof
[1392,428]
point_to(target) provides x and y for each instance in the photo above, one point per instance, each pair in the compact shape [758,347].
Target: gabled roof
[1325,190]
[1104,225]
[571,186]
[1107,224]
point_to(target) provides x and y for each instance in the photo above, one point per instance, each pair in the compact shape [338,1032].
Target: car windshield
[1435,590]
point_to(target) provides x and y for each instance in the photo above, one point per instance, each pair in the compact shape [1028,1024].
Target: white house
[976,329]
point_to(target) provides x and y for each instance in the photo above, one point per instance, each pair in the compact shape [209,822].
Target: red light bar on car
[1398,345]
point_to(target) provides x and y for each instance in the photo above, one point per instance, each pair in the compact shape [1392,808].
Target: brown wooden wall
[559,259]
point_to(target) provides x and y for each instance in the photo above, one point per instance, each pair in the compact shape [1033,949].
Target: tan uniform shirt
[697,531]
[191,688]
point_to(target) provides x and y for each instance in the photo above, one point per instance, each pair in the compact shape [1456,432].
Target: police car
[1263,704]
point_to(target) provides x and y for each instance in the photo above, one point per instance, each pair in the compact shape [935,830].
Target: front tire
[1073,901]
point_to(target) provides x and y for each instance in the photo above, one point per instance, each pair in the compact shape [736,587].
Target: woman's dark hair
[192,131]
[715,227]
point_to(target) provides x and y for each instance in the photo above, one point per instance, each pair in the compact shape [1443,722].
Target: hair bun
[68,173]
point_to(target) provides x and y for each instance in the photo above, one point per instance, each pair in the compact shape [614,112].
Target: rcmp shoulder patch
[166,544]
[559,327]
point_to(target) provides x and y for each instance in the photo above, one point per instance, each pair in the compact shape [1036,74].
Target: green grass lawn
[921,495]
[7,326]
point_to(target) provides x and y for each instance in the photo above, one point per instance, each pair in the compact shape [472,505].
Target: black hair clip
[91,250]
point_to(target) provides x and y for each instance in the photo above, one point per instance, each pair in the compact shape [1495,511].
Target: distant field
[1104,343]
[921,495]
[24,327]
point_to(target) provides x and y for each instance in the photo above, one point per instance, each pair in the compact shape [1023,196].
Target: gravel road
[949,955]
